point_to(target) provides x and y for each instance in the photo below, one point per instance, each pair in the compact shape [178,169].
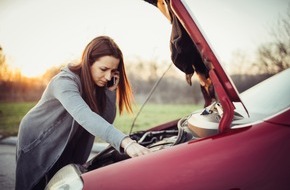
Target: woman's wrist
[127,142]
[128,145]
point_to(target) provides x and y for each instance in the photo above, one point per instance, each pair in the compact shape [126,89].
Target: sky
[237,25]
[38,34]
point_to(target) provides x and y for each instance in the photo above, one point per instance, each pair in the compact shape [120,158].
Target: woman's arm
[67,91]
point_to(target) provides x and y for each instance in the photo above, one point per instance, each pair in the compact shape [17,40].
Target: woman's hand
[115,79]
[133,149]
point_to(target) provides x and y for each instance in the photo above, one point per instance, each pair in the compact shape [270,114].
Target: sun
[32,72]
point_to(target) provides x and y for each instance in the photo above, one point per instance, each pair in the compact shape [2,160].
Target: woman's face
[103,70]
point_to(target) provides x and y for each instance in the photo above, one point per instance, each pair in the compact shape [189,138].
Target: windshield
[269,97]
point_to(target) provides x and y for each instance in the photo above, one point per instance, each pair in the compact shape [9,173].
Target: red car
[235,142]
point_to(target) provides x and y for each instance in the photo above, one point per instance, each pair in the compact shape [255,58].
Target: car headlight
[67,178]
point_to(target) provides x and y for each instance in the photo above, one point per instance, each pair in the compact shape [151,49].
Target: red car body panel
[245,158]
[281,119]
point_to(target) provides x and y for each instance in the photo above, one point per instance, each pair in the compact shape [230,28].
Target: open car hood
[191,52]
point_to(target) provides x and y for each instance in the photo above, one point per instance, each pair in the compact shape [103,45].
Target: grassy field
[10,116]
[152,115]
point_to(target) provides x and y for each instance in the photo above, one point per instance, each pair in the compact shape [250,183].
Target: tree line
[172,88]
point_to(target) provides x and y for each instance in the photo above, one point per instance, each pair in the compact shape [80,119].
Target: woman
[77,105]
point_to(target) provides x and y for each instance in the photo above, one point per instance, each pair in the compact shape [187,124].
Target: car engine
[194,126]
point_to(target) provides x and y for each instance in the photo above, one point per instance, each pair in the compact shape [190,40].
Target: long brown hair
[93,95]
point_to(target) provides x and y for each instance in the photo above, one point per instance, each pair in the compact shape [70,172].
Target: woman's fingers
[137,150]
[116,78]
[133,149]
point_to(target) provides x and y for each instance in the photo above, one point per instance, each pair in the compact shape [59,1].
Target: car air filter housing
[203,125]
[206,122]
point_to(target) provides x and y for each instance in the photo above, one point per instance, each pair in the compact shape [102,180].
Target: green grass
[11,115]
[152,115]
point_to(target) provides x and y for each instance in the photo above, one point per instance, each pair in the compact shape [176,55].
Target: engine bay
[155,139]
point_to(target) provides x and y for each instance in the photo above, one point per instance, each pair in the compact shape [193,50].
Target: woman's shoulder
[65,79]
[66,73]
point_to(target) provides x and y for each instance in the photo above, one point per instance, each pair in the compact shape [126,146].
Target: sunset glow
[42,34]
[39,34]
